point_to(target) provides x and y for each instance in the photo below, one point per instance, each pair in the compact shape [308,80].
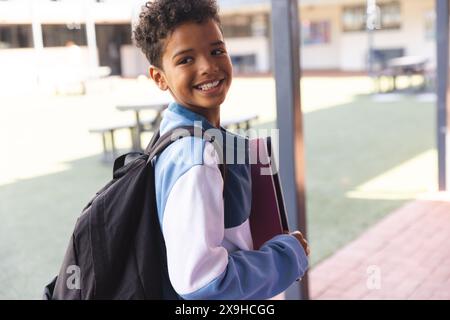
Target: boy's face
[196,66]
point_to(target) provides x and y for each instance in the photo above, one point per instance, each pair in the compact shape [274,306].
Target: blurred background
[369,105]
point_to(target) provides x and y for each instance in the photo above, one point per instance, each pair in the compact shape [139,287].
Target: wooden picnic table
[149,124]
[406,65]
[137,108]
[241,121]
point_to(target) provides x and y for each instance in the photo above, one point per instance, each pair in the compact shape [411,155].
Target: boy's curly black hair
[160,17]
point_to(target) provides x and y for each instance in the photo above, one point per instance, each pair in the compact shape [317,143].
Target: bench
[107,133]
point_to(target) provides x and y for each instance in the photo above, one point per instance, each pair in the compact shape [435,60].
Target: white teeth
[208,86]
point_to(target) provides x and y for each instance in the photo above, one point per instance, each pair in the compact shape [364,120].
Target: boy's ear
[158,76]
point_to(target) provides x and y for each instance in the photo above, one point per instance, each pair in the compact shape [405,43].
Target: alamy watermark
[245,147]
[373,281]
[73,281]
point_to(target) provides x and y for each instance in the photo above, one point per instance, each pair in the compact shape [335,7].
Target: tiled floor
[404,256]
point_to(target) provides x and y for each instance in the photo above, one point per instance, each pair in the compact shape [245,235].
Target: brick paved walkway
[405,256]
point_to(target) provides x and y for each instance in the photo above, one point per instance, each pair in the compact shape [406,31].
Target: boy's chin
[211,104]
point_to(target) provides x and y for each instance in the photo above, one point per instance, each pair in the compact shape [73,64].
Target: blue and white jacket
[206,224]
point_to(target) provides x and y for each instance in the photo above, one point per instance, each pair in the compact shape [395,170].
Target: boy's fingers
[302,241]
[306,247]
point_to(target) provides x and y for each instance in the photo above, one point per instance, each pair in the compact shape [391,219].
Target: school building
[333,33]
[42,39]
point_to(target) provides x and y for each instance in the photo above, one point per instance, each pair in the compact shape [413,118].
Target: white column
[38,41]
[91,38]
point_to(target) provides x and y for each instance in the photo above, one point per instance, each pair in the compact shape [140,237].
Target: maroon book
[268,213]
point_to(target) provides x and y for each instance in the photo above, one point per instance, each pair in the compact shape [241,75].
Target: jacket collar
[190,115]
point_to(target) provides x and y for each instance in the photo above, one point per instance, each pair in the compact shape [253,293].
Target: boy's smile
[196,68]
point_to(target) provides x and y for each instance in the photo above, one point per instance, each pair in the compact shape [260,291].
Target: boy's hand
[302,241]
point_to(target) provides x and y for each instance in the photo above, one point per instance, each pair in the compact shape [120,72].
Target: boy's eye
[185,60]
[217,52]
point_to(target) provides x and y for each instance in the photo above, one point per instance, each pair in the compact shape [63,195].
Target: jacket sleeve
[200,267]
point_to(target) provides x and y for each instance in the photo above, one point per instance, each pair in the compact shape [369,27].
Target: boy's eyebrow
[220,42]
[181,52]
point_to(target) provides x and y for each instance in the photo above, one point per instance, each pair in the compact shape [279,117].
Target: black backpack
[117,249]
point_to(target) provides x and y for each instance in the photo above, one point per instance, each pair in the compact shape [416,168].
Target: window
[315,32]
[390,15]
[260,25]
[244,63]
[354,17]
[430,25]
[60,35]
[238,26]
[110,39]
[16,36]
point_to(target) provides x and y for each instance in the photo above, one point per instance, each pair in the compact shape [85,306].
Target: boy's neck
[211,114]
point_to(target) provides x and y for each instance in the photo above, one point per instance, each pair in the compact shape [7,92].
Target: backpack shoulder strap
[160,143]
[152,142]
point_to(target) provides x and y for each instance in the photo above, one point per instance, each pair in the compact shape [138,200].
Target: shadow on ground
[37,217]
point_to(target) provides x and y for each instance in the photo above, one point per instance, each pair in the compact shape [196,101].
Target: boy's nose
[208,66]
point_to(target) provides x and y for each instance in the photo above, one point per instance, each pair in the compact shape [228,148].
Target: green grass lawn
[37,218]
[347,145]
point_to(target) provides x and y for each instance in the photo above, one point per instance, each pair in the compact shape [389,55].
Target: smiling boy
[197,73]
[204,218]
